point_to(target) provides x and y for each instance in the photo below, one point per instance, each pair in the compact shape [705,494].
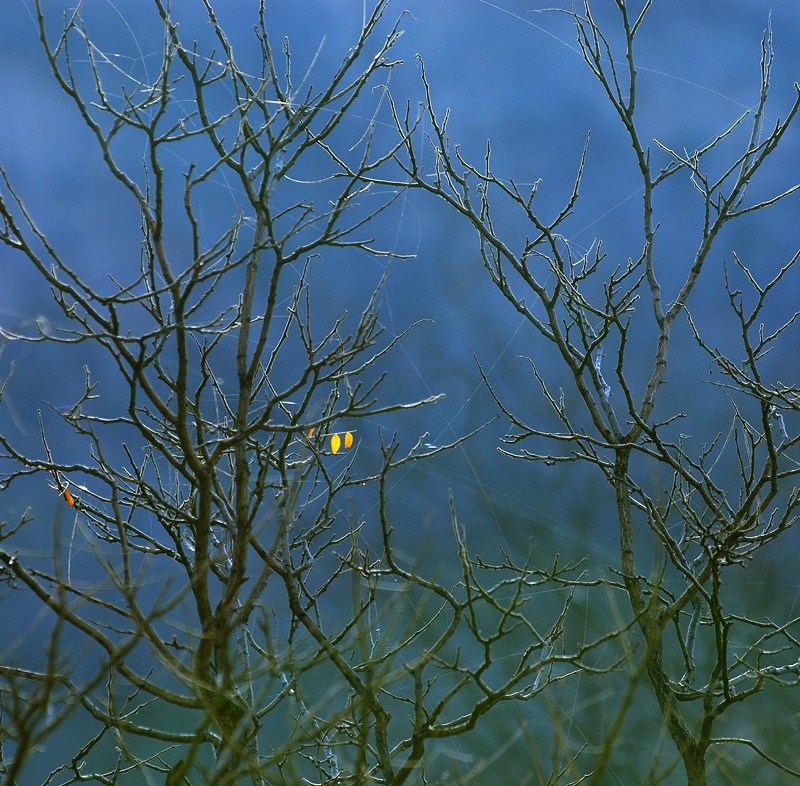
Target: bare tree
[214,614]
[712,503]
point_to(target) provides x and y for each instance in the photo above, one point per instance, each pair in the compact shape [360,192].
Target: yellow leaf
[336,443]
[311,433]
[348,440]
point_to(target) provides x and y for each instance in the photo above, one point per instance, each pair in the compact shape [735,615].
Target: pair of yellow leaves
[338,441]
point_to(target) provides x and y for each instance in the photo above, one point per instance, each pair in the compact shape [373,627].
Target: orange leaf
[68,497]
[336,443]
[348,440]
[311,433]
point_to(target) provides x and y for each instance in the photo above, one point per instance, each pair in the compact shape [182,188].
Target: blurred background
[509,72]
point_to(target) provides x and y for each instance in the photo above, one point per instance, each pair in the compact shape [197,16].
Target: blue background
[507,75]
